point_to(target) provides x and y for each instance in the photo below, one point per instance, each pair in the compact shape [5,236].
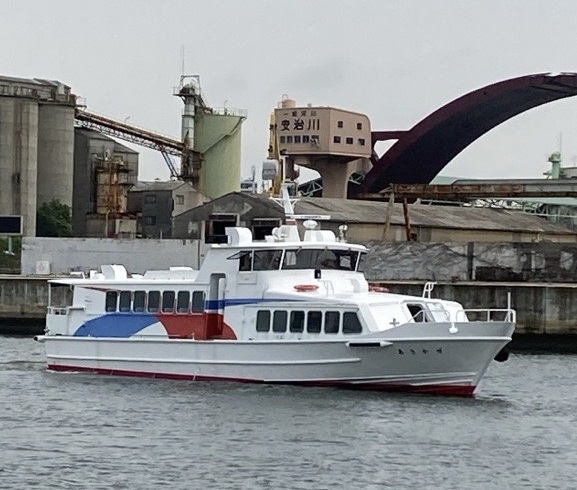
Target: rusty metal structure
[423,151]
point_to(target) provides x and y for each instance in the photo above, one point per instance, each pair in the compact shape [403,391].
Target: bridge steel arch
[421,152]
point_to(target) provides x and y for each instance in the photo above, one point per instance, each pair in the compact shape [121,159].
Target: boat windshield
[305,258]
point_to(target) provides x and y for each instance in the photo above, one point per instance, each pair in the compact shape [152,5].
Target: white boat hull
[414,357]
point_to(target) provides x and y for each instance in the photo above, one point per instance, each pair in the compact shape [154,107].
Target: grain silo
[36,146]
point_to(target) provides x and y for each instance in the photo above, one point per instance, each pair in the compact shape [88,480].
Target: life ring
[379,289]
[306,287]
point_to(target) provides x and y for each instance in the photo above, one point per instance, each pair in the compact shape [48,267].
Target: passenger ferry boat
[285,310]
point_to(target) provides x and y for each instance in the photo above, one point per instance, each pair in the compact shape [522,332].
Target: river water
[94,432]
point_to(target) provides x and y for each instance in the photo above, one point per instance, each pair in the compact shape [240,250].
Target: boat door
[216,297]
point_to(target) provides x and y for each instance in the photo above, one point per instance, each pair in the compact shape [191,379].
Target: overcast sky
[396,61]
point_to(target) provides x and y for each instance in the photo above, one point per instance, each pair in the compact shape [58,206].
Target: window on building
[263,227]
[315,140]
[149,220]
[279,319]
[216,225]
[198,302]
[336,139]
[362,141]
[139,303]
[306,138]
[340,124]
[314,321]
[111,298]
[124,301]
[297,139]
[153,301]
[183,302]
[297,321]
[313,113]
[359,126]
[332,320]
[351,323]
[179,199]
[289,139]
[263,321]
[149,198]
[349,141]
[282,139]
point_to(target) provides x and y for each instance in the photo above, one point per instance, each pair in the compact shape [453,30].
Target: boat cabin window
[154,301]
[168,301]
[297,321]
[198,301]
[111,298]
[139,303]
[332,321]
[418,312]
[263,321]
[351,323]
[245,261]
[362,259]
[124,302]
[183,302]
[314,321]
[267,260]
[279,321]
[304,258]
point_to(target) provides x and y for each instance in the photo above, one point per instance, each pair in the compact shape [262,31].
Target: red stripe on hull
[433,389]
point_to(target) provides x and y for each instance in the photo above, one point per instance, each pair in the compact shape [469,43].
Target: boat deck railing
[486,315]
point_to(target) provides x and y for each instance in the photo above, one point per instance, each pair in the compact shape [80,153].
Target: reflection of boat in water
[284,310]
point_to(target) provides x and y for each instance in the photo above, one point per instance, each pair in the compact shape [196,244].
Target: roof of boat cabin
[251,206]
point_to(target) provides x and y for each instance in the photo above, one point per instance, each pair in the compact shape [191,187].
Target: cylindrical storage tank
[18,151]
[55,153]
[218,138]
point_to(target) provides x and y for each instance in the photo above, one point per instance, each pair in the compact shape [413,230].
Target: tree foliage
[54,219]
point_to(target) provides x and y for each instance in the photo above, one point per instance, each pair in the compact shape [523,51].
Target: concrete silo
[215,135]
[18,151]
[55,152]
[36,146]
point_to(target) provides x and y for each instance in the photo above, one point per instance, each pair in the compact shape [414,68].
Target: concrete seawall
[541,308]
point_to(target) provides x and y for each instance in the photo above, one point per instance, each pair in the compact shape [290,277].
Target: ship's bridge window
[139,303]
[244,258]
[266,260]
[111,298]
[351,323]
[362,261]
[304,258]
[418,312]
[124,301]
[154,301]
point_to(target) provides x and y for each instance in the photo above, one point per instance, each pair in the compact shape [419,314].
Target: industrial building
[370,221]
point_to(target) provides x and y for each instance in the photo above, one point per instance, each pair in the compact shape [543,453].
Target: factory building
[91,148]
[36,146]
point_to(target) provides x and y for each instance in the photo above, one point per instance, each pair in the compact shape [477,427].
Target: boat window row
[298,321]
[300,258]
[155,301]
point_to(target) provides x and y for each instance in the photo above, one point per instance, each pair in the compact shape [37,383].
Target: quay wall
[541,308]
